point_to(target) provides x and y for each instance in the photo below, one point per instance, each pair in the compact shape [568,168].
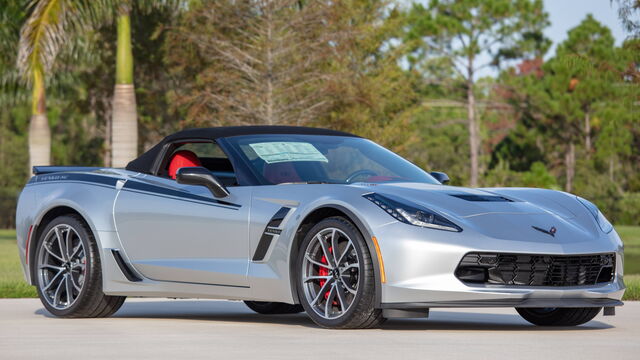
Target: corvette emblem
[551,231]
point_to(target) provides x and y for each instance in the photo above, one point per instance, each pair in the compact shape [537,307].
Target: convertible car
[292,219]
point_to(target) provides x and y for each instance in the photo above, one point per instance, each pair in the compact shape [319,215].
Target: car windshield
[278,159]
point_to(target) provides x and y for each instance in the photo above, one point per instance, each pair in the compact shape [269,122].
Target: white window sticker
[281,151]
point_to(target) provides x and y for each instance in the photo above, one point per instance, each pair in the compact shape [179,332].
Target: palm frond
[42,35]
[49,26]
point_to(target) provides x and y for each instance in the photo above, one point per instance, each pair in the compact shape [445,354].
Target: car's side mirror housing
[203,177]
[440,176]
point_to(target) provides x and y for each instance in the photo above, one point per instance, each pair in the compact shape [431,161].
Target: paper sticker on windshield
[281,151]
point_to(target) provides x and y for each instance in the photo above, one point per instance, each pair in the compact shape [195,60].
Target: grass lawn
[631,238]
[12,284]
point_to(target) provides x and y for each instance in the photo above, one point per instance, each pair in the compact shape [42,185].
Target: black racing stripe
[276,220]
[136,185]
[269,233]
[89,178]
[263,246]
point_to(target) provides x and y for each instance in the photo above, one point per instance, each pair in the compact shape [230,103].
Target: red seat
[182,158]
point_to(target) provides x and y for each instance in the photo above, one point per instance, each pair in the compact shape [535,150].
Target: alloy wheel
[61,266]
[330,273]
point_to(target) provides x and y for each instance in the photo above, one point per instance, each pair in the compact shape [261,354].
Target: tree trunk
[124,123]
[39,131]
[106,157]
[570,164]
[611,168]
[474,132]
[39,141]
[587,131]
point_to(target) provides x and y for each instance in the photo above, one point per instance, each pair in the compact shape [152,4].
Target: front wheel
[558,316]
[336,282]
[68,274]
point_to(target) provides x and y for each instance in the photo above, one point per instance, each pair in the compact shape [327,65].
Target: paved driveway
[207,329]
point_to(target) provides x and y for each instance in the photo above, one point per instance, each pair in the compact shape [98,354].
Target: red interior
[182,158]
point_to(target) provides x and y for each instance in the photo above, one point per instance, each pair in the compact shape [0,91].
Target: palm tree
[50,24]
[124,121]
[38,45]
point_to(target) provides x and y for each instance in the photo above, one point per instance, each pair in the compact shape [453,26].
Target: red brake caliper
[324,271]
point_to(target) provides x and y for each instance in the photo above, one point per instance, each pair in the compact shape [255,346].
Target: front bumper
[420,266]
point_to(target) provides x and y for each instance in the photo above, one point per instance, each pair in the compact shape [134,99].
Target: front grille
[536,270]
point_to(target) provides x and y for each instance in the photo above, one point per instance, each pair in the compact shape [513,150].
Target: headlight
[412,214]
[602,221]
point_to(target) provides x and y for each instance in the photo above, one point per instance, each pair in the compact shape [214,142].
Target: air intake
[482,198]
[536,270]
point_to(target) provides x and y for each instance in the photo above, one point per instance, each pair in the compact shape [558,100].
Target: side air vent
[483,198]
[270,232]
[126,270]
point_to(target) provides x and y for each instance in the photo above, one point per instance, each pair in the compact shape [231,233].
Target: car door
[177,232]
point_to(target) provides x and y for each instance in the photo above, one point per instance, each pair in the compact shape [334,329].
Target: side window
[202,150]
[206,154]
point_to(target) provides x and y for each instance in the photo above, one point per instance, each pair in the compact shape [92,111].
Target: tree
[258,62]
[471,35]
[40,39]
[576,84]
[626,11]
[50,25]
[318,63]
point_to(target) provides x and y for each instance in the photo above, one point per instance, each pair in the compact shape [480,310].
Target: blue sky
[567,14]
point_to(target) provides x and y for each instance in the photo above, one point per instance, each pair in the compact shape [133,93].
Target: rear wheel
[68,272]
[267,308]
[558,316]
[336,283]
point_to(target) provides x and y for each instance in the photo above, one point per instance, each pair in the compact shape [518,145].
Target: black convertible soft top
[145,162]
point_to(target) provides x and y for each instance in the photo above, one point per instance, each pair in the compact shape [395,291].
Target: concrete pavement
[206,329]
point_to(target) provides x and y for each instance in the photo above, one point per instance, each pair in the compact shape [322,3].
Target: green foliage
[396,74]
[629,209]
[539,177]
[577,114]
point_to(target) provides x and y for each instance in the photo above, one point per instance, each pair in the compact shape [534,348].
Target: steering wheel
[354,175]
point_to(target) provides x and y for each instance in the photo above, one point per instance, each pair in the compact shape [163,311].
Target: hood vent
[482,198]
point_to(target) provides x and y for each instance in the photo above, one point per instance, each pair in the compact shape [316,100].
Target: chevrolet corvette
[293,219]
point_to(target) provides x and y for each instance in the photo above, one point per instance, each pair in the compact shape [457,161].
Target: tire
[558,316]
[272,308]
[75,270]
[337,297]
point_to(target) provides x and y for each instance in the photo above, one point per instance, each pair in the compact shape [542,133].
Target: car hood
[492,212]
[461,202]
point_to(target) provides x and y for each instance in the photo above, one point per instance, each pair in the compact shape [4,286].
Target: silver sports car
[292,219]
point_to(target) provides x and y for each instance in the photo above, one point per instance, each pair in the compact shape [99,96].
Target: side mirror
[440,176]
[203,177]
